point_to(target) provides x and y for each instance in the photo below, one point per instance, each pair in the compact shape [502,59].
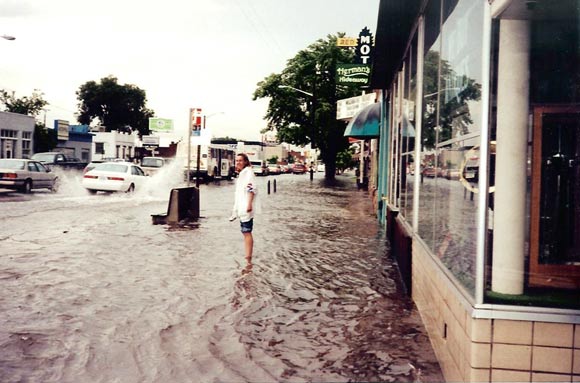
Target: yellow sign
[346,42]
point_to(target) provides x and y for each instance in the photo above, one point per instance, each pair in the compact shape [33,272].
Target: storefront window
[451,126]
[408,133]
[536,156]
[429,120]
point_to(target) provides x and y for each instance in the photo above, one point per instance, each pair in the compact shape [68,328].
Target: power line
[271,42]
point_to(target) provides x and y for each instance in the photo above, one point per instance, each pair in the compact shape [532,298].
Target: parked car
[259,168]
[151,165]
[60,160]
[274,169]
[471,170]
[114,177]
[299,169]
[429,171]
[25,175]
[452,174]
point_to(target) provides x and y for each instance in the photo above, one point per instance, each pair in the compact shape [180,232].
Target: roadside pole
[189,131]
[199,156]
[198,164]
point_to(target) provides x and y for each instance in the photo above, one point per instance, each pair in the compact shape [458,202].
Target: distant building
[16,135]
[78,142]
[108,145]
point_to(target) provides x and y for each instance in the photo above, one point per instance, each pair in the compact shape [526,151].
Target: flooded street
[91,291]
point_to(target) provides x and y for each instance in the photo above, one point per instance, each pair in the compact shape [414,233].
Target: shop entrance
[555,194]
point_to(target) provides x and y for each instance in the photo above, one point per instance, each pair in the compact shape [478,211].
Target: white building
[16,135]
[107,145]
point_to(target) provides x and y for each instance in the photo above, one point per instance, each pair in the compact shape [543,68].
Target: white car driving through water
[114,177]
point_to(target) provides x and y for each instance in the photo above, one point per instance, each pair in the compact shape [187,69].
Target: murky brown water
[91,291]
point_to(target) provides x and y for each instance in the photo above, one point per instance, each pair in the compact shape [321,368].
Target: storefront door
[555,194]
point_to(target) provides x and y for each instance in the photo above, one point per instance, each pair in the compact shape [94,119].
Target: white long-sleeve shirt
[245,184]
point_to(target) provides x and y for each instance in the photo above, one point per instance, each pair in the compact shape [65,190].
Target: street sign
[195,121]
[150,140]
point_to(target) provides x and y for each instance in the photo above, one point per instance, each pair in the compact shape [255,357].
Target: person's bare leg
[249,245]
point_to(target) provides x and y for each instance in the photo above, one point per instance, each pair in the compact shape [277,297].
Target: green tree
[44,139]
[117,107]
[344,159]
[30,106]
[300,118]
[273,160]
[453,114]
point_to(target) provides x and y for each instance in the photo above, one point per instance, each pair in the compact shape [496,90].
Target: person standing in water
[244,202]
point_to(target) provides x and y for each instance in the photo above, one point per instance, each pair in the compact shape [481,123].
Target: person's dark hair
[246,159]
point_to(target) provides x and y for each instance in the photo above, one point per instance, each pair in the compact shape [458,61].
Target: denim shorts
[247,226]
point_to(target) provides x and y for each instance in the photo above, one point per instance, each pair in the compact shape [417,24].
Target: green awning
[366,123]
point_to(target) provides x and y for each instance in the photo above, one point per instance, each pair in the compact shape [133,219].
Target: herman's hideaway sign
[359,72]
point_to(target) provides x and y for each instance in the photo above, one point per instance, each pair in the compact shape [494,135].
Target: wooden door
[555,197]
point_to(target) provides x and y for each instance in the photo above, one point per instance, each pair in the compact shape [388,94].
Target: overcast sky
[184,53]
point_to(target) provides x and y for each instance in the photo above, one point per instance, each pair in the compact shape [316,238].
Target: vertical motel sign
[195,121]
[364,47]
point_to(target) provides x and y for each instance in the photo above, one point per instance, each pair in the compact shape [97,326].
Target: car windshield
[117,168]
[152,162]
[9,164]
[43,157]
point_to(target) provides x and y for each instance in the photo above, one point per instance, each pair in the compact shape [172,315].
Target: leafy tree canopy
[300,118]
[117,107]
[451,92]
[30,106]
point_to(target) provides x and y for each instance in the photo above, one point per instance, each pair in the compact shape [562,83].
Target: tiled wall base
[490,350]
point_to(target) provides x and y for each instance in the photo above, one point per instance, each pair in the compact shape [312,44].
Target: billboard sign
[61,127]
[160,125]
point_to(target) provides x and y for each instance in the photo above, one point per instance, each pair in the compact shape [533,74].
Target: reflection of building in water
[492,91]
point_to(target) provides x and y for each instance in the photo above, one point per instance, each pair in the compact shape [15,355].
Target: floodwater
[91,291]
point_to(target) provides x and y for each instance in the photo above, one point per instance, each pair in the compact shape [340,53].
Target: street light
[312,106]
[6,37]
[296,89]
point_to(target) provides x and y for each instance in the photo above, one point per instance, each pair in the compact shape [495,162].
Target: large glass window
[535,155]
[408,132]
[432,46]
[451,126]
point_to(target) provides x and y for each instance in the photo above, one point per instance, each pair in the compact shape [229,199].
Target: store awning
[366,123]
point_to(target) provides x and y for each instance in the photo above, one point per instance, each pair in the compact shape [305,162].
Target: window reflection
[451,111]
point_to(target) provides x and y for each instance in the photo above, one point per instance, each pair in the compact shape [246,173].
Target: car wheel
[91,191]
[131,188]
[27,187]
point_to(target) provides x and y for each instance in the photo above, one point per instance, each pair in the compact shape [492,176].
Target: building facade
[16,135]
[482,201]
[76,142]
[114,145]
